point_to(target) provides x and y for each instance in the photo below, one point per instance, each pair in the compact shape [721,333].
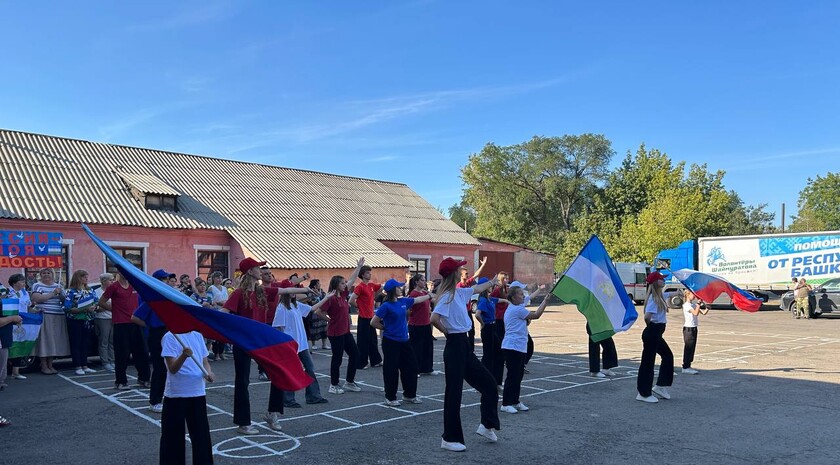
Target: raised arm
[536,315]
[481,264]
[355,274]
[479,288]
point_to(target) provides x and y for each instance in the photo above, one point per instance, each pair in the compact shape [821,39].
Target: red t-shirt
[273,298]
[123,302]
[339,312]
[420,313]
[364,298]
[237,305]
[500,293]
[461,285]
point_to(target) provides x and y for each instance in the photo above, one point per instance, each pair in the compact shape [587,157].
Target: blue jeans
[313,391]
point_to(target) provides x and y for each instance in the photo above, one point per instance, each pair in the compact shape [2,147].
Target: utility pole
[783,217]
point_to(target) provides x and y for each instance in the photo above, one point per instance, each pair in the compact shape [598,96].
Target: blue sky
[406,91]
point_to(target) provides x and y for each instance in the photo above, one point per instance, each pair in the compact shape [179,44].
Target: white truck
[633,277]
[762,264]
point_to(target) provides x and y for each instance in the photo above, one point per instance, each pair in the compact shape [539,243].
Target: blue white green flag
[592,283]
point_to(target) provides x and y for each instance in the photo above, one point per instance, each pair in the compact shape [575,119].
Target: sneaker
[318,401]
[649,399]
[364,367]
[412,400]
[392,403]
[508,409]
[18,376]
[80,371]
[452,446]
[336,390]
[521,407]
[662,392]
[435,373]
[89,370]
[352,387]
[597,374]
[690,371]
[110,367]
[378,365]
[143,384]
[247,429]
[487,433]
[272,420]
[211,357]
[291,405]
[121,387]
[220,357]
[156,408]
[326,347]
[263,377]
[607,372]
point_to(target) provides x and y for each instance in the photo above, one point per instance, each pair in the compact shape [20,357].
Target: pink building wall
[435,253]
[171,249]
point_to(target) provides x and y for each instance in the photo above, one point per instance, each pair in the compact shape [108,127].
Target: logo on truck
[715,257]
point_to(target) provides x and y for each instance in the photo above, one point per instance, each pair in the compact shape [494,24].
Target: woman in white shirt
[653,343]
[691,308]
[460,363]
[515,346]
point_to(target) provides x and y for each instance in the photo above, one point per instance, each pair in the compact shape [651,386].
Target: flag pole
[192,356]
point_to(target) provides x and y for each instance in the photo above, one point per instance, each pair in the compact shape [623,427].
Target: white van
[633,277]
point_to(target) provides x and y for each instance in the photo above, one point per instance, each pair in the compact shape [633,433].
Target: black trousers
[515,362]
[340,345]
[178,412]
[421,341]
[653,344]
[128,342]
[471,332]
[78,331]
[690,339]
[241,381]
[499,367]
[218,348]
[529,350]
[400,364]
[491,347]
[368,344]
[158,366]
[610,354]
[461,364]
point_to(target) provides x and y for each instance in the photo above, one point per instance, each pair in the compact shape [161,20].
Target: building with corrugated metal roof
[196,214]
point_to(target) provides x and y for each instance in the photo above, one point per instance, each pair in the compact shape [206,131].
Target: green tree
[463,216]
[530,193]
[818,206]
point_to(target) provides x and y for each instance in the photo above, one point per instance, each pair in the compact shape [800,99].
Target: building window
[419,264]
[132,254]
[161,202]
[209,261]
[61,274]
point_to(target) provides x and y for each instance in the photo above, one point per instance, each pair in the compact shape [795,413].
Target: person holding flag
[250,300]
[653,343]
[184,399]
[691,309]
[515,346]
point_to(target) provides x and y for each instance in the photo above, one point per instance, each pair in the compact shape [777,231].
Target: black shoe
[319,401]
[291,405]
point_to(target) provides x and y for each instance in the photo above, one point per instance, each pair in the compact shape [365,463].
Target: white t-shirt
[218,294]
[292,322]
[103,314]
[690,319]
[453,312]
[659,315]
[516,328]
[189,380]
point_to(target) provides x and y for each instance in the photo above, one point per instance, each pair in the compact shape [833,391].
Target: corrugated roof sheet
[293,219]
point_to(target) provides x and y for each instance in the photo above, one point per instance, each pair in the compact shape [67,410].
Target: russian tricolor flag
[274,350]
[708,287]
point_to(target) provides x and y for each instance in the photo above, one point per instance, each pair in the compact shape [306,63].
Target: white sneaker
[412,400]
[508,409]
[110,367]
[272,420]
[156,408]
[263,377]
[336,390]
[18,376]
[487,433]
[597,374]
[690,371]
[608,372]
[521,407]
[392,403]
[247,429]
[89,370]
[79,371]
[352,387]
[452,446]
[648,399]
[662,392]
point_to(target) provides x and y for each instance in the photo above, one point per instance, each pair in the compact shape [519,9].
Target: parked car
[824,299]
